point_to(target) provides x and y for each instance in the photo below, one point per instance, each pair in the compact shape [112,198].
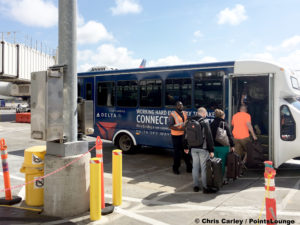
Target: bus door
[255,91]
[105,116]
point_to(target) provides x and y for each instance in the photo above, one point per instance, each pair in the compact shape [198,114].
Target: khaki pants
[241,147]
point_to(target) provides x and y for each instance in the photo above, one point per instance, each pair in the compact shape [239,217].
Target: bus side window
[287,124]
[208,90]
[88,89]
[178,90]
[150,93]
[127,93]
[106,94]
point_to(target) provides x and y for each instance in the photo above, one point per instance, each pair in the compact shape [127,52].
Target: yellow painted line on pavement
[25,208]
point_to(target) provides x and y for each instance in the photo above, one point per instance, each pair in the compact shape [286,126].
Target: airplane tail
[143,64]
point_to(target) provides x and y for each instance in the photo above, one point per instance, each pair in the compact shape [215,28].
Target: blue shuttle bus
[132,106]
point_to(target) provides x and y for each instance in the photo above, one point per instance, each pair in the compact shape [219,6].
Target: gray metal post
[67,54]
[69,186]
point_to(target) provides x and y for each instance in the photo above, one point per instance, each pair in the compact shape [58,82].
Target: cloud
[286,45]
[291,42]
[286,53]
[108,55]
[232,16]
[92,32]
[207,59]
[36,13]
[167,61]
[175,60]
[197,35]
[264,56]
[84,55]
[121,58]
[80,19]
[126,7]
[84,67]
[291,60]
[270,48]
[261,56]
[199,52]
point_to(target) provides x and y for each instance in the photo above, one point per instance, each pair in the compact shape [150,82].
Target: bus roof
[162,68]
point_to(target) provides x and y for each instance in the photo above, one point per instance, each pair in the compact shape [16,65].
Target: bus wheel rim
[125,142]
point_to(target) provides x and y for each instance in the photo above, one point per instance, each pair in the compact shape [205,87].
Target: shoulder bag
[221,136]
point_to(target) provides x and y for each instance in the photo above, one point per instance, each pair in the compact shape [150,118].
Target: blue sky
[120,33]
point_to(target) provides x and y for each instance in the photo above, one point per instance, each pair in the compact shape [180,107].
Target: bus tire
[125,143]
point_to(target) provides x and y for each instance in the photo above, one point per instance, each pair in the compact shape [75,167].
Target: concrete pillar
[66,193]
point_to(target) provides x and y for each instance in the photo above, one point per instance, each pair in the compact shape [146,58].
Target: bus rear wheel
[125,143]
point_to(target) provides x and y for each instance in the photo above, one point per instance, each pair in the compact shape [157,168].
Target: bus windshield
[295,101]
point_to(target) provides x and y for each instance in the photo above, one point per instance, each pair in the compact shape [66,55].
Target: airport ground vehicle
[131,106]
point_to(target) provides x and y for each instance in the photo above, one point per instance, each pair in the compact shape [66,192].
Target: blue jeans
[200,156]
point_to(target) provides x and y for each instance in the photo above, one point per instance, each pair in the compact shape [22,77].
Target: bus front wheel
[125,143]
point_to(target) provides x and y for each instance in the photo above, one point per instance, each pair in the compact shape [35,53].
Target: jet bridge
[17,62]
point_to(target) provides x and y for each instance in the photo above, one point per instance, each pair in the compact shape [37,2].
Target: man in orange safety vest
[177,121]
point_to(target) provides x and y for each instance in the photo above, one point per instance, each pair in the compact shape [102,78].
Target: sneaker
[176,171]
[196,189]
[208,191]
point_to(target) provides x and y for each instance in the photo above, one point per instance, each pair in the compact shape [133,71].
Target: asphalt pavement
[152,194]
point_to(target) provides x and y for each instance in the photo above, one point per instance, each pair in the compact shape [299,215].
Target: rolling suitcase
[234,165]
[255,155]
[214,175]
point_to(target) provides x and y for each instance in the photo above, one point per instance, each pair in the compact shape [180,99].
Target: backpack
[194,133]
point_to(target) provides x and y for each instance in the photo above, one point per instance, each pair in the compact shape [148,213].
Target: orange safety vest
[178,123]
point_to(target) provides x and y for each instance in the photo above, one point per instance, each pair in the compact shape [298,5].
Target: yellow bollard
[95,189]
[117,177]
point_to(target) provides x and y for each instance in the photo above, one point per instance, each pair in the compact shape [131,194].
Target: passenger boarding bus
[132,106]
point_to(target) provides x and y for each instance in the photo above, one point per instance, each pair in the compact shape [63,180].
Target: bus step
[263,139]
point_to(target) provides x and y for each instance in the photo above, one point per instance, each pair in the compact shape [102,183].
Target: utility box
[85,116]
[47,104]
